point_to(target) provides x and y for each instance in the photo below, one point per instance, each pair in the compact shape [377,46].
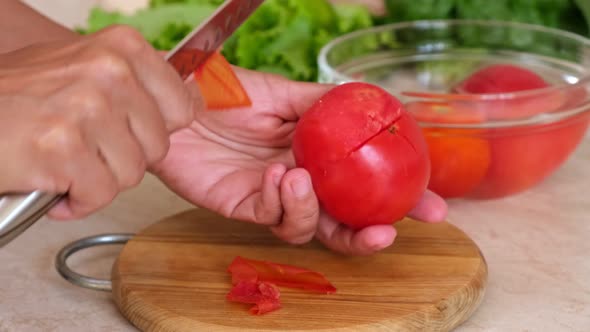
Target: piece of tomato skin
[264,296]
[219,84]
[279,274]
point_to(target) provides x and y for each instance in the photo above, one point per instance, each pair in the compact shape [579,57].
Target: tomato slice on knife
[219,84]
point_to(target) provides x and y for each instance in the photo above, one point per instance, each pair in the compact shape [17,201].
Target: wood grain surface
[172,277]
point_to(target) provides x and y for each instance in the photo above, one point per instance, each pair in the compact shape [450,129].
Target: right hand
[87,116]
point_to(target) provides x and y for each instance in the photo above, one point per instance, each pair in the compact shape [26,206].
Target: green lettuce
[571,15]
[163,24]
[285,36]
[282,36]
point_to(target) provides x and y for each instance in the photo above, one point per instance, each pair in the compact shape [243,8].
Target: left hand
[239,163]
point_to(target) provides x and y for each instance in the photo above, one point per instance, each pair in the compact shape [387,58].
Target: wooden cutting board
[172,277]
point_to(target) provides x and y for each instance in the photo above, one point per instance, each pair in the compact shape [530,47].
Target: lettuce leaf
[163,25]
[561,14]
[282,37]
[285,36]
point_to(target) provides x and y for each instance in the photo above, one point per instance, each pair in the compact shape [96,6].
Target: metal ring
[88,242]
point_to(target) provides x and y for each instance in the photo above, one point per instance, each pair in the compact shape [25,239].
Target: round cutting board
[173,277]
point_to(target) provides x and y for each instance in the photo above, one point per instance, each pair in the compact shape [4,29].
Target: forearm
[20,25]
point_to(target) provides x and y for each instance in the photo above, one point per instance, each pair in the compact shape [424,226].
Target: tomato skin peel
[255,282]
[366,155]
[219,85]
[245,269]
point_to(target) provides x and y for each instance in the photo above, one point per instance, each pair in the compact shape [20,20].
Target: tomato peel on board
[265,296]
[366,155]
[255,282]
[219,85]
[243,269]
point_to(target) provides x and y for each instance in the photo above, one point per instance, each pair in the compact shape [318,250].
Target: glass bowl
[481,145]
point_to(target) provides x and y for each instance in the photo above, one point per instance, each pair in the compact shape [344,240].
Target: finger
[114,76]
[291,98]
[145,122]
[431,208]
[177,104]
[93,187]
[301,208]
[268,209]
[340,238]
[119,148]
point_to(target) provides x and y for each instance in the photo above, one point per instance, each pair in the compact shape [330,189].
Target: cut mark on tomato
[393,129]
[387,127]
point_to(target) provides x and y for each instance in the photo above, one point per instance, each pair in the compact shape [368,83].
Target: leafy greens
[285,36]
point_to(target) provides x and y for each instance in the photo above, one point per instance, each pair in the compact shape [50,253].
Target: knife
[19,211]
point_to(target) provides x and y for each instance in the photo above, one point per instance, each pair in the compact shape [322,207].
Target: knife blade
[20,211]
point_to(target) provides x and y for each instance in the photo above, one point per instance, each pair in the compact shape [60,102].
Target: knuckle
[109,65]
[178,119]
[105,195]
[134,176]
[61,137]
[49,182]
[294,238]
[127,38]
[89,104]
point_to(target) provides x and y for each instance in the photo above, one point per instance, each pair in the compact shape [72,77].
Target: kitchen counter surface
[536,245]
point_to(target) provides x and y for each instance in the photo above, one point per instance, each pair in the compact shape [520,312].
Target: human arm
[21,25]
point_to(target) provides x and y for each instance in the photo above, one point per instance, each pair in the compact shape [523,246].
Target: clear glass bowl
[481,145]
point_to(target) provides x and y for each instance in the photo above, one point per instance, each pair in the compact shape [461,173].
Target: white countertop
[537,246]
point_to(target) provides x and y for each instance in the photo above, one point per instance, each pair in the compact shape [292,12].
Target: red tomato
[501,78]
[522,157]
[459,158]
[504,78]
[366,155]
[219,84]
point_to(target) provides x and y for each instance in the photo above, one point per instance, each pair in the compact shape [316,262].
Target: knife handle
[19,211]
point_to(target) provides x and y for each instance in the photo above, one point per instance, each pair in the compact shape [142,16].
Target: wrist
[21,26]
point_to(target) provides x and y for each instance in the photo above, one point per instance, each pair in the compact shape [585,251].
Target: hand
[239,164]
[87,116]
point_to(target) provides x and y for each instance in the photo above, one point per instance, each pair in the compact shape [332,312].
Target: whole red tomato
[508,79]
[459,157]
[366,155]
[523,156]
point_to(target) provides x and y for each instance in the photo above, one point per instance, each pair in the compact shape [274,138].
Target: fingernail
[301,187]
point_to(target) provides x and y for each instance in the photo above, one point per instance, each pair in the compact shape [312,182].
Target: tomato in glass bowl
[502,105]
